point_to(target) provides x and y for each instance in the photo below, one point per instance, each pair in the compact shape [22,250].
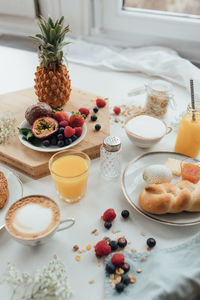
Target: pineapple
[52,82]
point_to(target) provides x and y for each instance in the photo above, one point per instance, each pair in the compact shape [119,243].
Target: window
[122,23]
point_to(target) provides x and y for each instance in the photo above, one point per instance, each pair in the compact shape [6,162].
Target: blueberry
[67,142]
[97,127]
[53,140]
[61,130]
[60,136]
[60,143]
[122,242]
[125,267]
[125,214]
[113,245]
[110,268]
[46,143]
[107,225]
[151,242]
[93,118]
[95,109]
[119,287]
[74,137]
[125,279]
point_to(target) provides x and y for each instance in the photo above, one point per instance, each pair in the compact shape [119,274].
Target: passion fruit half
[44,127]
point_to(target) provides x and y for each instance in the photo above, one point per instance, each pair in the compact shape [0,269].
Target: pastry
[170,198]
[3,189]
[157,174]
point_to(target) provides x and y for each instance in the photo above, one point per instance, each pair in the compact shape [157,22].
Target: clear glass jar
[110,157]
[159,95]
[188,137]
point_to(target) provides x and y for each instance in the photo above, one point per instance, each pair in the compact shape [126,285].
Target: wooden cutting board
[35,163]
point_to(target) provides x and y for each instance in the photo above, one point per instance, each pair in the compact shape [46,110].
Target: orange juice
[70,174]
[188,138]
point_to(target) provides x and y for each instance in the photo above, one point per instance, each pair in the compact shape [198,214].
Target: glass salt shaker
[110,157]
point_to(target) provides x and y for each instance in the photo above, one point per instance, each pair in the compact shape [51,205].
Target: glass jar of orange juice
[188,138]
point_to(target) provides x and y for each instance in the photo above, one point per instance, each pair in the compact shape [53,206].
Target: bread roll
[3,189]
[170,198]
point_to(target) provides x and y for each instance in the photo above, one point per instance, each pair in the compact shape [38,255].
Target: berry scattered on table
[69,131]
[100,103]
[117,110]
[125,213]
[107,225]
[61,143]
[109,215]
[97,127]
[117,259]
[93,118]
[64,123]
[151,242]
[84,111]
[125,279]
[78,131]
[119,287]
[102,248]
[46,143]
[125,267]
[76,120]
[110,268]
[122,242]
[95,109]
[113,245]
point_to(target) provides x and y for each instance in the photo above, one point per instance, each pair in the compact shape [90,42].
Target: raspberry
[69,131]
[117,259]
[63,123]
[100,103]
[84,111]
[78,131]
[117,110]
[102,248]
[109,215]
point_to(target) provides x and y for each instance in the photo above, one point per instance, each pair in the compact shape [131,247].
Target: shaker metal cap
[112,143]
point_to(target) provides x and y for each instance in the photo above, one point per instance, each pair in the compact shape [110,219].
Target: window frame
[126,28]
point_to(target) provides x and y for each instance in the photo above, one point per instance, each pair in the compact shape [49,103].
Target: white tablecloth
[17,72]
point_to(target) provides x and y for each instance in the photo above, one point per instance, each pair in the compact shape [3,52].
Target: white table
[17,72]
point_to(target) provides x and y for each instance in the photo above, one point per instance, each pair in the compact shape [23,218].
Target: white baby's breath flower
[7,126]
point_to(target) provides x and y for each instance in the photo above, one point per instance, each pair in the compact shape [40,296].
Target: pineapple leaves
[50,22]
[61,20]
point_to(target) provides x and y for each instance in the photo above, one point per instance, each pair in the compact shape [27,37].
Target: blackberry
[107,225]
[122,242]
[113,245]
[125,214]
[151,242]
[95,109]
[110,268]
[93,118]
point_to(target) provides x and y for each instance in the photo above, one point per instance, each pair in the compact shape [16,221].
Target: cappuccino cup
[34,219]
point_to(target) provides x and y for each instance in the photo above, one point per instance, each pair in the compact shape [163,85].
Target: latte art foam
[32,217]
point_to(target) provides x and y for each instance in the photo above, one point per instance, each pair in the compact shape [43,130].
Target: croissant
[3,189]
[170,198]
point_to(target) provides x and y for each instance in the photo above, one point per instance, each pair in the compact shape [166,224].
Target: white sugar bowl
[145,131]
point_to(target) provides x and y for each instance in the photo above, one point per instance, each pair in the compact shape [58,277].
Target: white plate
[51,148]
[133,184]
[15,192]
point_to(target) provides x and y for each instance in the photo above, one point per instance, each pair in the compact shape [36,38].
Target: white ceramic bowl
[44,238]
[144,142]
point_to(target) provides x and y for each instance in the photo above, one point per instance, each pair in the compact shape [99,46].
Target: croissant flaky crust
[170,198]
[3,189]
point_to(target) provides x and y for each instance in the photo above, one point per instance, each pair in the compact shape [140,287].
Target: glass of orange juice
[188,138]
[69,170]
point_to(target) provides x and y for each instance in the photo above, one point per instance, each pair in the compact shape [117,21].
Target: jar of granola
[159,95]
